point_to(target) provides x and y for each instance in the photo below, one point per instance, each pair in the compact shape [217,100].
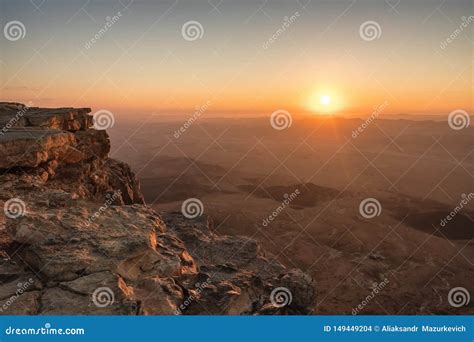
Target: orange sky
[142,63]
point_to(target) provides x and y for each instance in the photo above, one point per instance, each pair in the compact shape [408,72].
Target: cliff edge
[77,238]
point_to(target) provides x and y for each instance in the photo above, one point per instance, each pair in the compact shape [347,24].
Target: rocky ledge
[77,238]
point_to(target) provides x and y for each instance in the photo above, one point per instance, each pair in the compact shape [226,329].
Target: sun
[325,100]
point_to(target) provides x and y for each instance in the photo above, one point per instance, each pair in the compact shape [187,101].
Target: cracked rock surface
[76,237]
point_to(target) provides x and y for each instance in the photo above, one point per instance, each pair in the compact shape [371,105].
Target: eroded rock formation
[77,238]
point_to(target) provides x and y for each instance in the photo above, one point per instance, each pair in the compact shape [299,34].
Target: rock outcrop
[77,238]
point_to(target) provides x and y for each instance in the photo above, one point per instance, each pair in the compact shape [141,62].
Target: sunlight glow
[325,100]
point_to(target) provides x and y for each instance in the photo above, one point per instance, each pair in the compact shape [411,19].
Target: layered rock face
[77,238]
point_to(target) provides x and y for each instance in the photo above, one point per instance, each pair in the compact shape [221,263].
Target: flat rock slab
[17,115]
[30,147]
[30,136]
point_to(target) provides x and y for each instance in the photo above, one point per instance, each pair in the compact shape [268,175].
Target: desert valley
[243,170]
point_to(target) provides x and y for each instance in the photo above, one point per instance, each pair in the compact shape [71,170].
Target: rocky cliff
[77,238]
